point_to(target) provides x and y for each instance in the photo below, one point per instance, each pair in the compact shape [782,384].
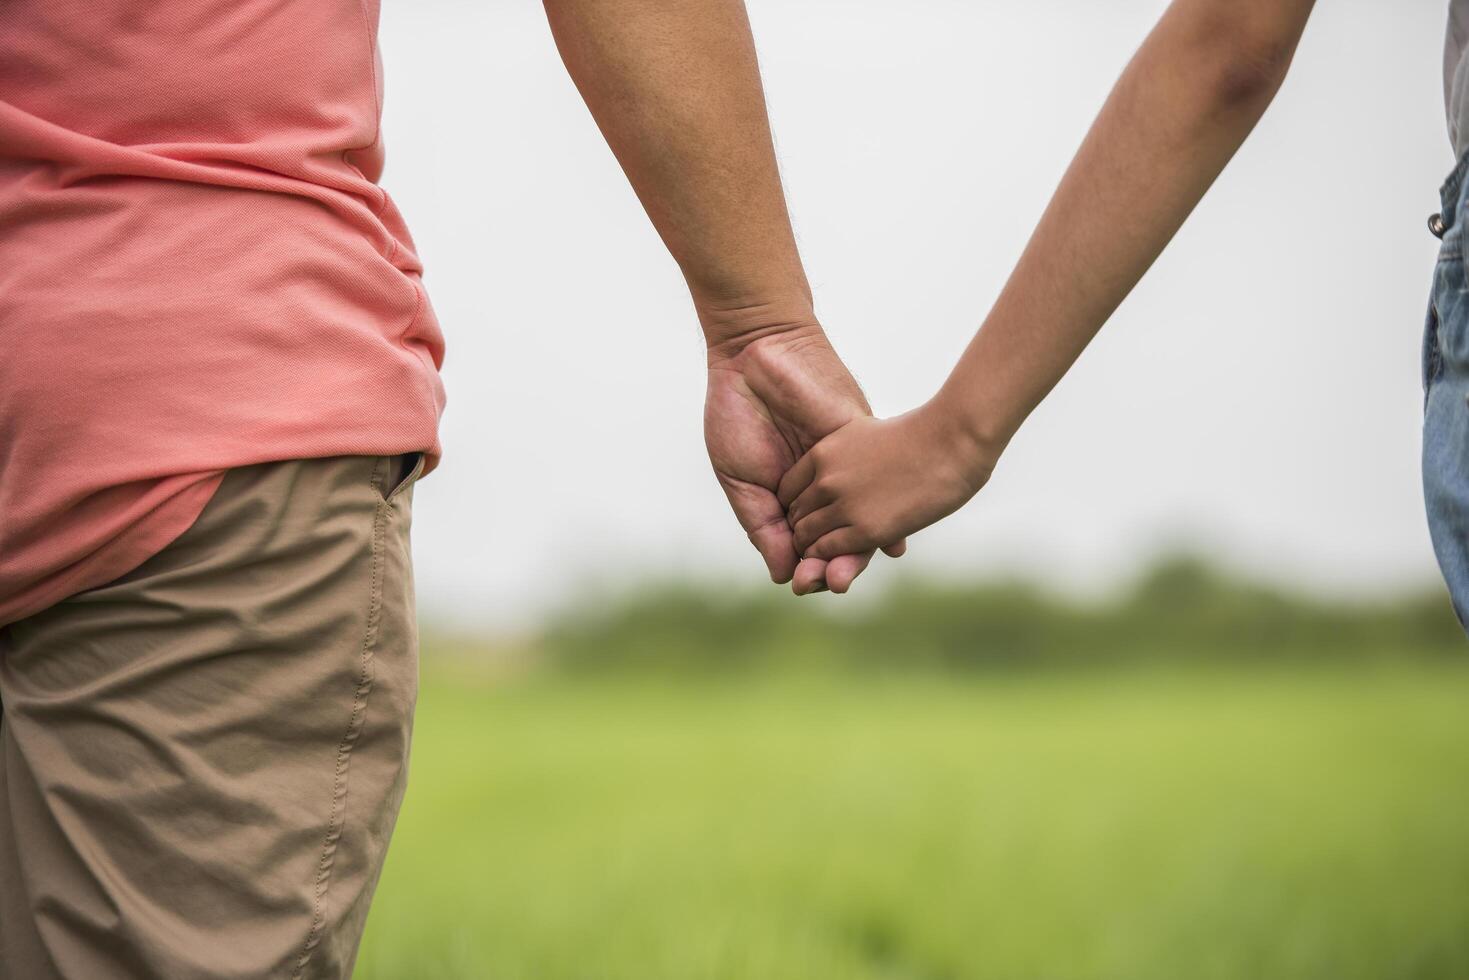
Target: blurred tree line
[1181,610]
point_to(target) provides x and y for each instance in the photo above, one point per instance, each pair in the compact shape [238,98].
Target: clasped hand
[817,483]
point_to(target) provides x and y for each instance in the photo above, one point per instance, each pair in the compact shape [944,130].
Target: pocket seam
[408,480]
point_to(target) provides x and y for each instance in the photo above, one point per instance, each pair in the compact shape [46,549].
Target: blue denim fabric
[1446,397]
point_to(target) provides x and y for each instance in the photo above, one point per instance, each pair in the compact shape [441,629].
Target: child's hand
[874,481]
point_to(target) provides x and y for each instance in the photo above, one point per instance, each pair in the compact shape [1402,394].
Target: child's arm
[1183,106]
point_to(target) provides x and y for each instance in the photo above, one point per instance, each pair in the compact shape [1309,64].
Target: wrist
[973,441]
[730,326]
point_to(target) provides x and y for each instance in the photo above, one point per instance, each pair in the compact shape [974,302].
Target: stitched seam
[394,246]
[354,728]
[372,69]
[408,480]
[377,106]
[418,303]
[381,203]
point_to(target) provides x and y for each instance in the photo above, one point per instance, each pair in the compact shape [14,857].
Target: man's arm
[1184,105]
[675,88]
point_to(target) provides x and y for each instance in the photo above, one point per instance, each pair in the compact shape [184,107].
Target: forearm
[675,88]
[1183,106]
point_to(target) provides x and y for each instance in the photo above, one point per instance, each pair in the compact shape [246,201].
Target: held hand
[768,402]
[875,481]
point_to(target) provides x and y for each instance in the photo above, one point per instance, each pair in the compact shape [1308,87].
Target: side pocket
[403,471]
[1431,360]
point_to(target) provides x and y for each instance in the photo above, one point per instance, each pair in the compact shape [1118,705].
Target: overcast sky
[1257,396]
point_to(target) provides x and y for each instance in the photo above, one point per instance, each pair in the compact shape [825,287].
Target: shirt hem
[140,541]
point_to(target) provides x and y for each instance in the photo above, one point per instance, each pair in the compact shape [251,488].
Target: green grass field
[1131,824]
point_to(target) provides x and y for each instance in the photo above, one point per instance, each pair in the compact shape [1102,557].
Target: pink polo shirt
[198,270]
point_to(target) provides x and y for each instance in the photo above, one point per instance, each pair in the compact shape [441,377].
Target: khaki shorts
[202,762]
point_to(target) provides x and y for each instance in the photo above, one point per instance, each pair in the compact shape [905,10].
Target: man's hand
[768,402]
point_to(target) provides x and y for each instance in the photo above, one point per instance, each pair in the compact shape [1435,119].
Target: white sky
[1258,395]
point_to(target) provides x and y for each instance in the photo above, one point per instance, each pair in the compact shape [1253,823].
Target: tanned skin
[675,88]
[1190,96]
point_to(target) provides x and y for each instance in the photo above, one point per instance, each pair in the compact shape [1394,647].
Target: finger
[842,570]
[810,577]
[796,479]
[814,525]
[764,520]
[773,541]
[895,550]
[813,498]
[846,540]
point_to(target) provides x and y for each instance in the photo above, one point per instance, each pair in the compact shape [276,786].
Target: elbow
[1246,65]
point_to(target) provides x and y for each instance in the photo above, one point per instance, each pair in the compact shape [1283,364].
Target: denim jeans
[1446,394]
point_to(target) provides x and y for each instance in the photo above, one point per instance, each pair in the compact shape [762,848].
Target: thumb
[764,520]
